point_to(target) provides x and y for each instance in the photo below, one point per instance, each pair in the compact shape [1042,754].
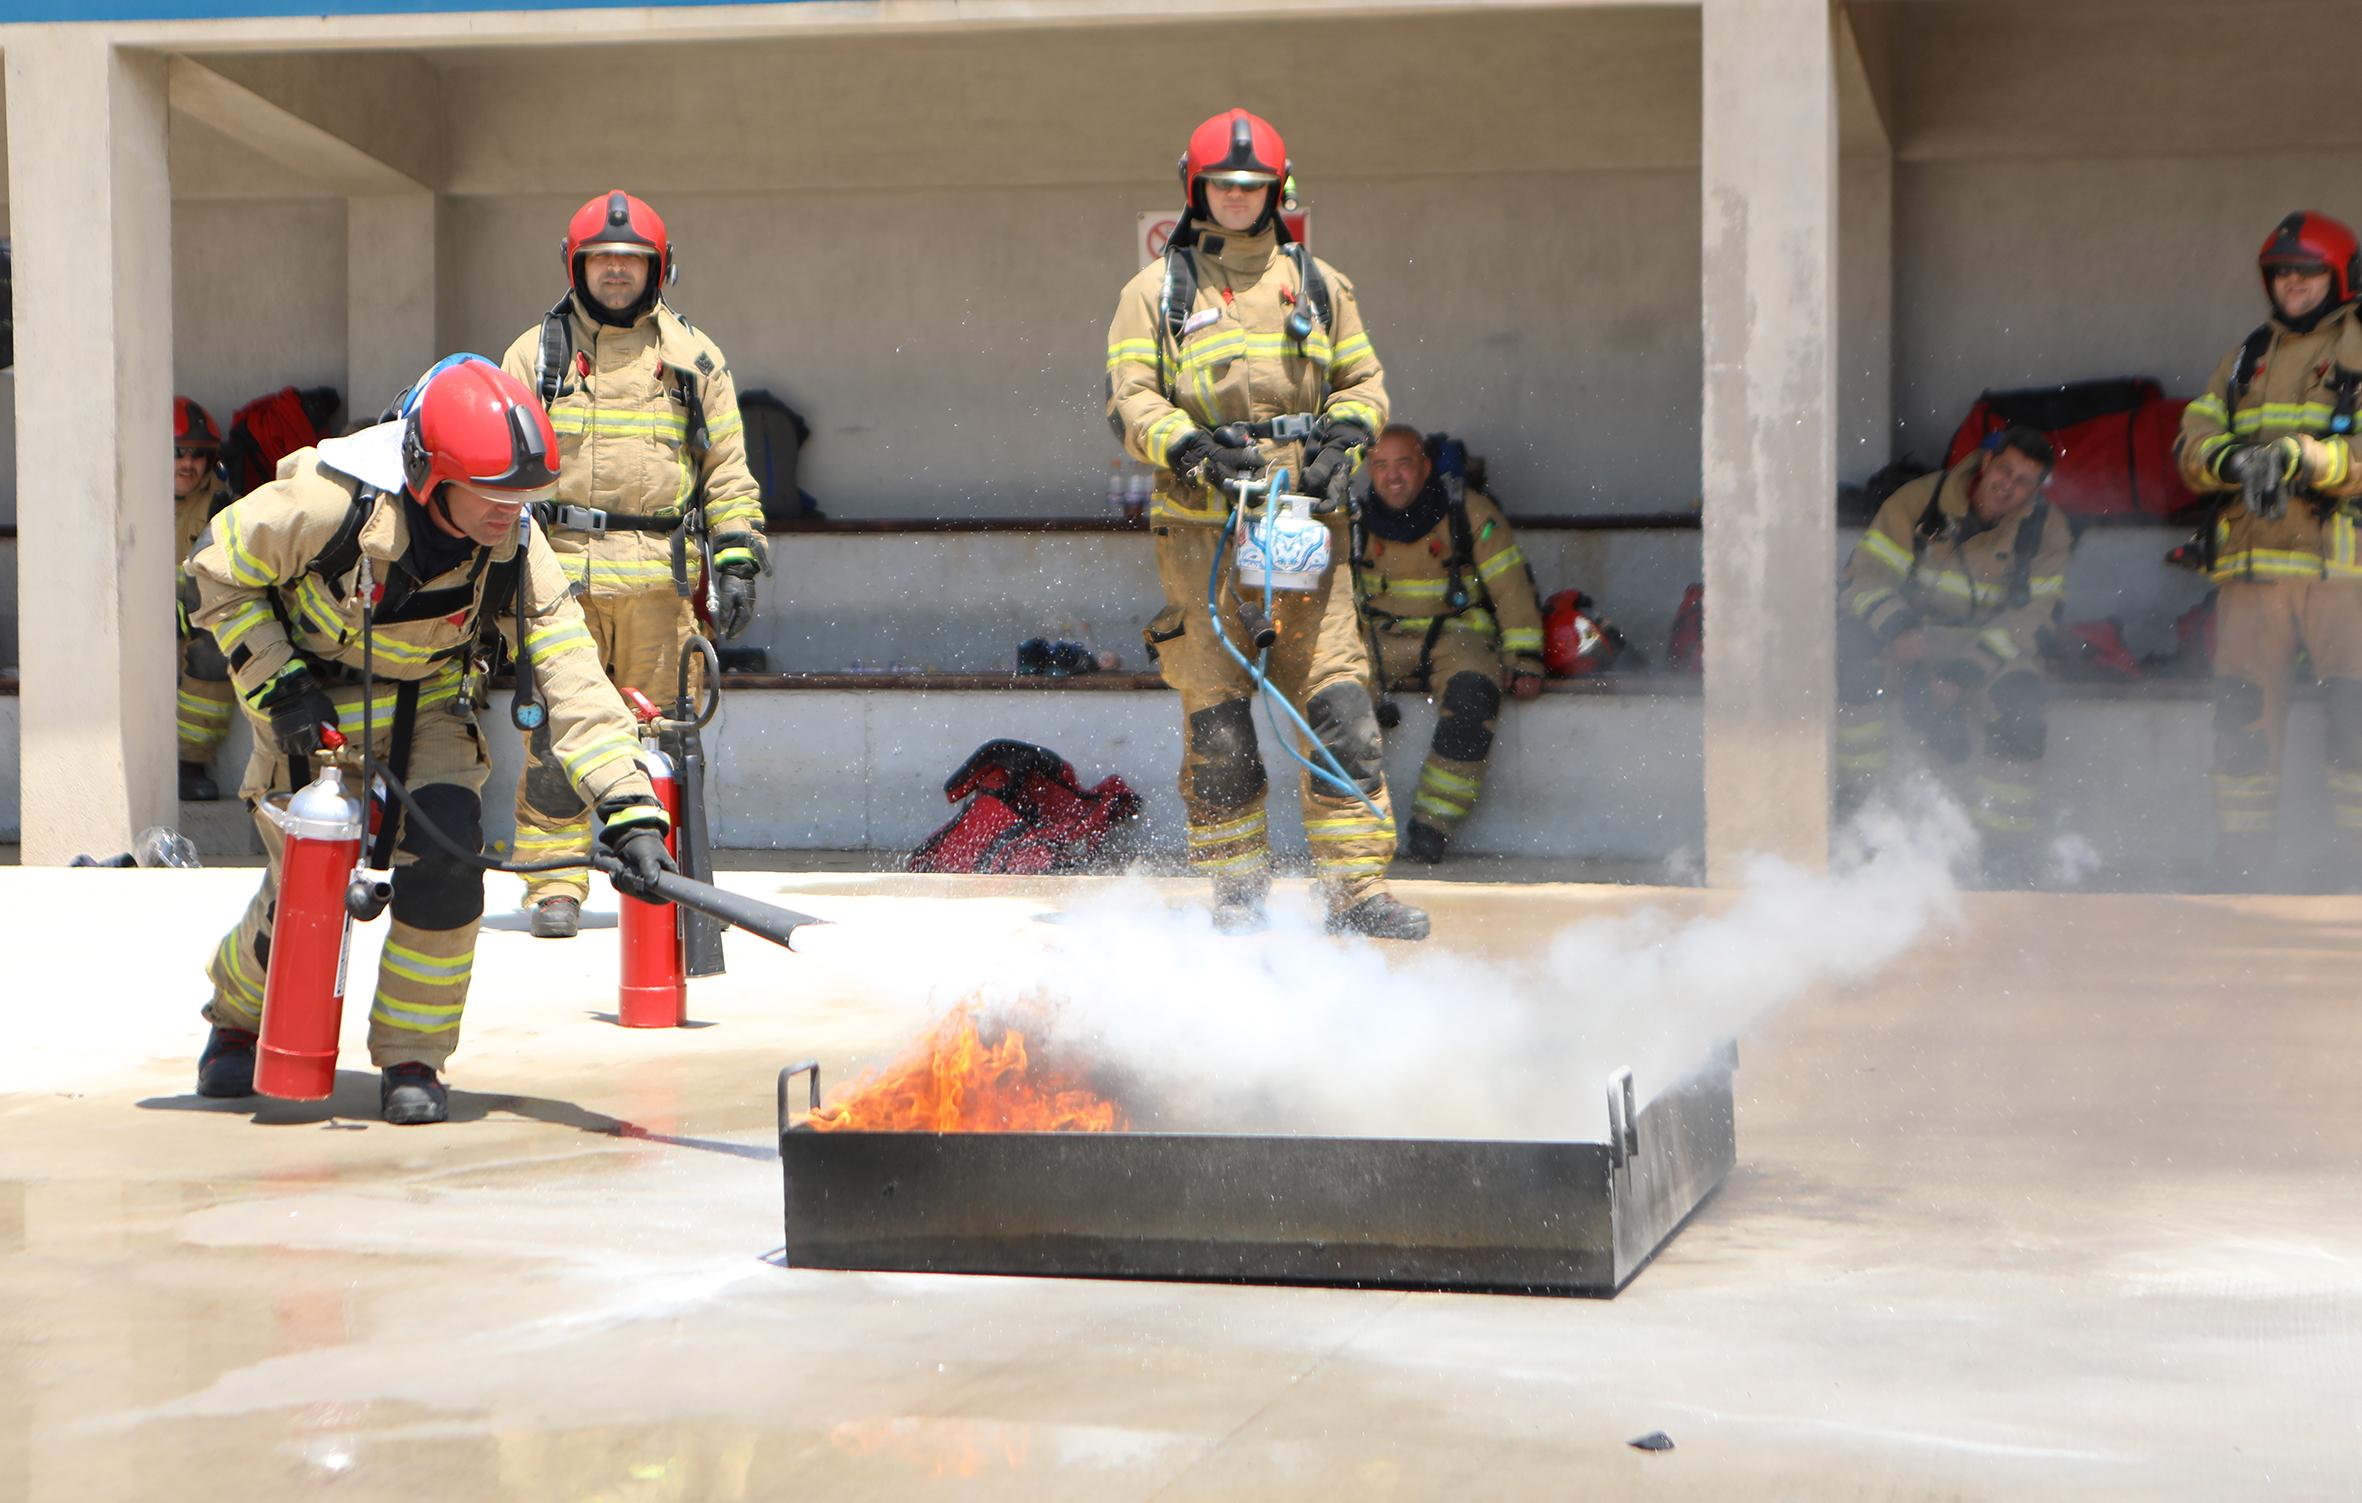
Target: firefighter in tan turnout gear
[1237,352]
[399,547]
[1944,605]
[2272,437]
[202,713]
[1452,613]
[654,474]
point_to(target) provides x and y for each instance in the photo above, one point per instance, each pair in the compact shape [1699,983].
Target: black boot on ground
[197,785]
[409,1094]
[1424,843]
[226,1068]
[1380,916]
[1238,905]
[556,918]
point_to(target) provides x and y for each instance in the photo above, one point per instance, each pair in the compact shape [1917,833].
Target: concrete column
[1865,324]
[1768,163]
[390,294]
[90,207]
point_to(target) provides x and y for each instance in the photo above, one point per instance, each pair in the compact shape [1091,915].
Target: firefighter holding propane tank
[2272,436]
[654,480]
[1236,356]
[1452,613]
[389,559]
[202,713]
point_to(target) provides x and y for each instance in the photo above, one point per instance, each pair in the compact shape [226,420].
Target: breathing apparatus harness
[1279,532]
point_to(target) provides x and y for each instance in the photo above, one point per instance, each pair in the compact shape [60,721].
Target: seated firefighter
[1943,604]
[1451,610]
[396,558]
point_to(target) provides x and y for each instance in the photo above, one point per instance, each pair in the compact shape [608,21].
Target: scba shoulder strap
[1177,300]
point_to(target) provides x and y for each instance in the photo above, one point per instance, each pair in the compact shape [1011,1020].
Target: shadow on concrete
[517,921]
[352,1107]
[608,1017]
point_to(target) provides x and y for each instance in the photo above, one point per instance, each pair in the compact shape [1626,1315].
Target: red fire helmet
[193,427]
[2314,242]
[1235,147]
[469,421]
[1575,637]
[616,221]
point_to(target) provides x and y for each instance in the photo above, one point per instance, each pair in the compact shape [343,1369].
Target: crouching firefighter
[364,590]
[1451,610]
[655,504]
[1238,353]
[1943,608]
[2271,439]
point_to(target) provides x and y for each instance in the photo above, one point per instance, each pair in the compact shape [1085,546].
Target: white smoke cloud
[1293,1031]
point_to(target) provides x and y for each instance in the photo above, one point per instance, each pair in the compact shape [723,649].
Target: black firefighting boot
[197,785]
[556,918]
[1238,904]
[1425,843]
[226,1068]
[409,1094]
[1381,915]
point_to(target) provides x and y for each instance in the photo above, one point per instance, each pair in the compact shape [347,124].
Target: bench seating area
[892,647]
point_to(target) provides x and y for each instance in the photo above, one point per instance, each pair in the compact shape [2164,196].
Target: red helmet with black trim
[193,427]
[2314,242]
[617,222]
[1235,147]
[468,421]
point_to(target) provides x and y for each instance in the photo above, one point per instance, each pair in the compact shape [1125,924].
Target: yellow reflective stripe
[402,653]
[1254,860]
[535,844]
[2277,563]
[717,429]
[1347,865]
[1215,351]
[733,555]
[210,709]
[316,608]
[1346,827]
[1868,730]
[1887,551]
[606,573]
[556,635]
[1353,410]
[2047,584]
[1253,824]
[1431,803]
[433,970]
[609,422]
[440,690]
[1351,348]
[1159,439]
[1866,601]
[243,620]
[1450,782]
[2004,791]
[599,753]
[2210,406]
[245,567]
[1508,558]
[415,1017]
[1471,620]
[1419,587]
[1131,352]
[241,983]
[1522,639]
[2338,464]
[1997,642]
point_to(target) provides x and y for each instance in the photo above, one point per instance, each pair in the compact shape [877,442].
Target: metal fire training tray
[1509,1217]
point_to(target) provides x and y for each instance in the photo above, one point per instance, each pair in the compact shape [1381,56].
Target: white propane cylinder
[1287,547]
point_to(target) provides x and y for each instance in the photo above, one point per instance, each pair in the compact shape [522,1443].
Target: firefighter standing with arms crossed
[654,473]
[2272,437]
[1452,613]
[397,549]
[202,714]
[1235,328]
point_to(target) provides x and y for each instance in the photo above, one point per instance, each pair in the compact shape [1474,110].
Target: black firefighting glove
[633,830]
[298,707]
[1340,442]
[1224,455]
[734,599]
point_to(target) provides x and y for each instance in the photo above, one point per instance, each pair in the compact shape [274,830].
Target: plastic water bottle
[1137,494]
[160,846]
[1115,488]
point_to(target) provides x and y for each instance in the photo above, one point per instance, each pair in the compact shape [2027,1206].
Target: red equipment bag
[268,429]
[1027,814]
[2115,443]
[2092,650]
[1685,644]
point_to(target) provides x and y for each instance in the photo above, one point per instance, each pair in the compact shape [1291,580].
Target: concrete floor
[2060,1202]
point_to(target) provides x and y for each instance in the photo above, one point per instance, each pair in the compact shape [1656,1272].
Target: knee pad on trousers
[438,890]
[2241,746]
[1344,721]
[1859,677]
[1227,766]
[549,793]
[2345,723]
[1465,732]
[204,662]
[2021,719]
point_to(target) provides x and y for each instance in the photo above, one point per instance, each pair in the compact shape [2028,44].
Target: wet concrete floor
[2061,1203]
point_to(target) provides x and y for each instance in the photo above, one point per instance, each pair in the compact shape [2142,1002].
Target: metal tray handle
[812,1066]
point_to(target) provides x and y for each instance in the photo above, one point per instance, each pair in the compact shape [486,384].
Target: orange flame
[955,1082]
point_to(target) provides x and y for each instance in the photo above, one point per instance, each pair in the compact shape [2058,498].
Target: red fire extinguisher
[655,988]
[303,986]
